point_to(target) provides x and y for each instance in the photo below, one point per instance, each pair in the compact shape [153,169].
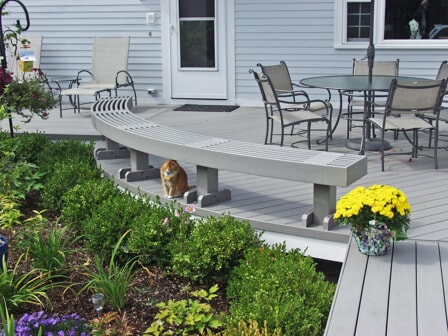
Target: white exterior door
[198,49]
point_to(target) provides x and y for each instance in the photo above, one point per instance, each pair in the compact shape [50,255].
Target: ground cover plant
[162,270]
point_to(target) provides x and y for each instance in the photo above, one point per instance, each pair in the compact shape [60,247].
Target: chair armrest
[79,75]
[123,74]
[328,92]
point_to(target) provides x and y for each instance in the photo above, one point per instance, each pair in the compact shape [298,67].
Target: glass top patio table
[343,83]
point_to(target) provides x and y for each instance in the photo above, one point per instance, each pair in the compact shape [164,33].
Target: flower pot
[3,250]
[373,240]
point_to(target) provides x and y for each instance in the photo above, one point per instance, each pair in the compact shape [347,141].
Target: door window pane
[197,44]
[196,8]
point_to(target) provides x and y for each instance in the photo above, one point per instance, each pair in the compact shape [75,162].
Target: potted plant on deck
[376,214]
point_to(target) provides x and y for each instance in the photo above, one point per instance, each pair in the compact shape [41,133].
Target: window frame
[340,28]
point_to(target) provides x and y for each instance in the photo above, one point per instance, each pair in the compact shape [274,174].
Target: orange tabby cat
[174,179]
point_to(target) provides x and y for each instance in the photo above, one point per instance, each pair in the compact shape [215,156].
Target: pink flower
[165,221]
[190,208]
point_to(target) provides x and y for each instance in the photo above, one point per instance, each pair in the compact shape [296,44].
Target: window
[392,23]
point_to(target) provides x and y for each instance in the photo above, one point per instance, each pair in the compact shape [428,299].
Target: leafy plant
[17,289]
[114,280]
[111,323]
[17,178]
[10,213]
[7,320]
[213,248]
[281,287]
[188,316]
[49,252]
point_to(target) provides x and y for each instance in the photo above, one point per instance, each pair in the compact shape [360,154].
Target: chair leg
[436,144]
[308,136]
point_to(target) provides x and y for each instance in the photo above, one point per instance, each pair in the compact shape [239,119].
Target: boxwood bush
[281,287]
[213,248]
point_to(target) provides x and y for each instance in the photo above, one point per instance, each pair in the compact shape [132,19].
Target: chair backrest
[266,88]
[279,75]
[380,68]
[110,55]
[415,97]
[443,71]
[13,52]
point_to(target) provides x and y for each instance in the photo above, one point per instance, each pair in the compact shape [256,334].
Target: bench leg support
[324,204]
[207,188]
[140,168]
[112,151]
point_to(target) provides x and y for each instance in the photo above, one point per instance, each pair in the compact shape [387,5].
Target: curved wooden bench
[114,119]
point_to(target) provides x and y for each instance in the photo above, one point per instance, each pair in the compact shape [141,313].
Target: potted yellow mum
[376,214]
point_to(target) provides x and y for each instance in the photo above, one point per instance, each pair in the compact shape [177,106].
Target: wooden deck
[402,293]
[274,205]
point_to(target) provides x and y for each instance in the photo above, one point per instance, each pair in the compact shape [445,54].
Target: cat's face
[171,167]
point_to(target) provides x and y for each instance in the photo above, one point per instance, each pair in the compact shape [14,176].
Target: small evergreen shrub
[214,247]
[62,179]
[82,201]
[27,146]
[110,221]
[155,230]
[280,287]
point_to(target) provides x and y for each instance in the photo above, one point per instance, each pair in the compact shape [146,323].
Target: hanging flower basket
[374,240]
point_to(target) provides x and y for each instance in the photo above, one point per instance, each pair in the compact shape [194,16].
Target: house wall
[301,32]
[68,28]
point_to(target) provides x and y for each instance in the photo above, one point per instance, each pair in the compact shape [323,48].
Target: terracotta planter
[373,240]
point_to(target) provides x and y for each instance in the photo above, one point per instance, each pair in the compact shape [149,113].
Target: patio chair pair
[289,105]
[407,109]
[107,75]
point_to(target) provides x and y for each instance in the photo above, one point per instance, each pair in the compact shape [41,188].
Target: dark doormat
[207,108]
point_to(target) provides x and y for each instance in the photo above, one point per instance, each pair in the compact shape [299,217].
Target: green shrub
[65,151]
[280,287]
[17,177]
[213,248]
[249,328]
[63,178]
[28,146]
[155,230]
[111,220]
[81,202]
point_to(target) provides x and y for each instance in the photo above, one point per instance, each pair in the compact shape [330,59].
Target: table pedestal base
[371,145]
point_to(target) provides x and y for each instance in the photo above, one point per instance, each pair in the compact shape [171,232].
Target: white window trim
[340,24]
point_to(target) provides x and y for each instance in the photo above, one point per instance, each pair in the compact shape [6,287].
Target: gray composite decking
[402,293]
[277,205]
